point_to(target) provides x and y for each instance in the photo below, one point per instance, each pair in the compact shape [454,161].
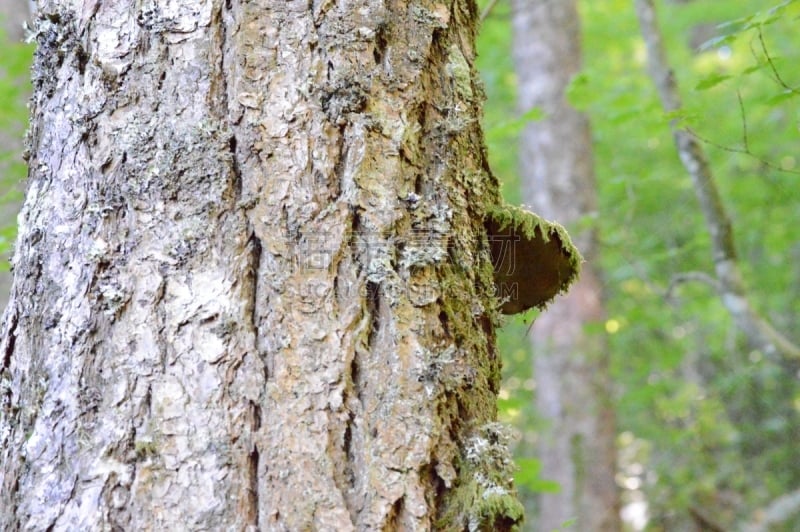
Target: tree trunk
[573,391]
[253,287]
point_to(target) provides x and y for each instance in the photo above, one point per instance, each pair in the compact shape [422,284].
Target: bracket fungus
[534,260]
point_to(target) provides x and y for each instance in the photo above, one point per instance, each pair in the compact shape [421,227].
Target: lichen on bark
[484,499]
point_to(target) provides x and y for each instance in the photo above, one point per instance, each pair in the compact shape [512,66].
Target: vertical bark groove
[253,501]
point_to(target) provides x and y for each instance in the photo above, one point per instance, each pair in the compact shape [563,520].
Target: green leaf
[534,114]
[528,475]
[579,93]
[736,22]
[753,68]
[780,97]
[716,42]
[681,117]
[709,81]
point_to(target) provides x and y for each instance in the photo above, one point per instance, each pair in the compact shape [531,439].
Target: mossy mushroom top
[534,260]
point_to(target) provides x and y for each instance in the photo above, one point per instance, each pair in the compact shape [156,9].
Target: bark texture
[253,288]
[573,391]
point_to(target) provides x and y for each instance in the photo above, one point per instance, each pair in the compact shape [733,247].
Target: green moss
[457,303]
[484,499]
[534,226]
[459,70]
[498,510]
[145,448]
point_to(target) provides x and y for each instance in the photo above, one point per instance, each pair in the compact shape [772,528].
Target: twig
[488,9]
[688,277]
[745,150]
[745,140]
[776,76]
[741,151]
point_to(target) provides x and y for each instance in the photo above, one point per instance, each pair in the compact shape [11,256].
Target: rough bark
[729,280]
[253,288]
[573,391]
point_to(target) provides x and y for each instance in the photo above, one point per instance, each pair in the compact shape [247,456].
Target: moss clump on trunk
[485,499]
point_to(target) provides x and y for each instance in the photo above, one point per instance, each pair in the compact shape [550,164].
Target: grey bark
[573,390]
[253,288]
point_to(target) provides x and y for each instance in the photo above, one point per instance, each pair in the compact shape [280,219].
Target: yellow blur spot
[634,287]
[625,439]
[612,326]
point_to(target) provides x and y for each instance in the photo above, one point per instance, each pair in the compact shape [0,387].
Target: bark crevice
[254,487]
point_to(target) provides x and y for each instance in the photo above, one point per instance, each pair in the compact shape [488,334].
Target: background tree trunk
[573,391]
[252,284]
[12,14]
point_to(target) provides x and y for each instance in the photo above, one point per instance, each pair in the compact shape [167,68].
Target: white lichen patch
[423,254]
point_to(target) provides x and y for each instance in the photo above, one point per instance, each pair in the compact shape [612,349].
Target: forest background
[707,424]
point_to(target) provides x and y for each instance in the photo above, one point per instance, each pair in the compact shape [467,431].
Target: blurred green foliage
[15,63]
[703,420]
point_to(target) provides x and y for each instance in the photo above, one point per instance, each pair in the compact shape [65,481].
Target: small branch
[775,74]
[745,135]
[745,140]
[688,277]
[732,289]
[729,149]
[488,10]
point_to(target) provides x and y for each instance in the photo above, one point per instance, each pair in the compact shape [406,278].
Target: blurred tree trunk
[573,390]
[240,300]
[12,14]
